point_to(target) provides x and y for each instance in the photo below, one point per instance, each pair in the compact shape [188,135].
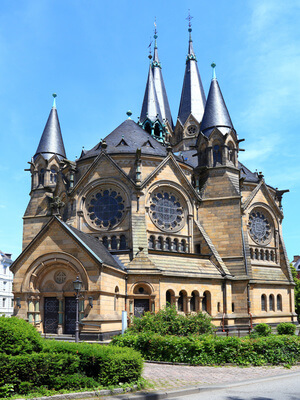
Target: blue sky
[93,54]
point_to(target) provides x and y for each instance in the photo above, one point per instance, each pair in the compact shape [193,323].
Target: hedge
[209,350]
[107,365]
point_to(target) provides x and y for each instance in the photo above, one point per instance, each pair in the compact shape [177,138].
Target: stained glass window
[105,208]
[259,227]
[166,211]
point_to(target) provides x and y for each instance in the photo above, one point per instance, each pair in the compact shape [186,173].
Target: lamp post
[77,287]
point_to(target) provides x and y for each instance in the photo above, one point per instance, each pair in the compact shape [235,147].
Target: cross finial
[189,18]
[213,65]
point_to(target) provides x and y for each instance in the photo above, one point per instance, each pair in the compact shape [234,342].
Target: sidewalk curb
[157,395]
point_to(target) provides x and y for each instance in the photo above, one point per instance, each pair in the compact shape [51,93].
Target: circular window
[166,211]
[60,277]
[259,227]
[192,129]
[105,207]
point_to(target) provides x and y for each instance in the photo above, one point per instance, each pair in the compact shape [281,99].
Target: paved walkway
[165,376]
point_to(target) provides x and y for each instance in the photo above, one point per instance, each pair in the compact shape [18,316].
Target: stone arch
[42,266]
[142,287]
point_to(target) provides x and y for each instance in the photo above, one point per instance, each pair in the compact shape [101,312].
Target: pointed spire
[216,114]
[193,98]
[51,141]
[159,85]
[150,107]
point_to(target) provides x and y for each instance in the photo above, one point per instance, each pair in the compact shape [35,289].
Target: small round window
[105,207]
[260,227]
[166,210]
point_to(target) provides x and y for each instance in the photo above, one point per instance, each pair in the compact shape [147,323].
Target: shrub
[286,328]
[261,330]
[18,336]
[209,350]
[168,322]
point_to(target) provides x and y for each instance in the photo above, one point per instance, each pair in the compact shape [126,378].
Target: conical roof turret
[160,87]
[216,114]
[193,98]
[51,142]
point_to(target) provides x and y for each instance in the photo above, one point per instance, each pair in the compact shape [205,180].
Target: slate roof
[193,98]
[126,139]
[215,113]
[188,157]
[51,142]
[247,174]
[94,246]
[150,107]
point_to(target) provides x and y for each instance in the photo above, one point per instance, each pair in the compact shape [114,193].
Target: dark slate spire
[150,107]
[216,114]
[192,96]
[160,86]
[51,141]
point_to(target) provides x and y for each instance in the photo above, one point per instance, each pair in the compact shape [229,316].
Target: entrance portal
[50,315]
[70,315]
[140,307]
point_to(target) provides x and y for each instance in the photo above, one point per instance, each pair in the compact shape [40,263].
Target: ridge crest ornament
[259,228]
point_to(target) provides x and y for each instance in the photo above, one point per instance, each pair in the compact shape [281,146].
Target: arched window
[272,255]
[148,127]
[156,130]
[114,244]
[261,255]
[123,245]
[105,241]
[267,255]
[53,175]
[194,301]
[176,246]
[206,302]
[271,303]
[183,245]
[263,302]
[182,301]
[160,243]
[251,254]
[116,298]
[41,176]
[231,153]
[279,302]
[256,254]
[168,244]
[151,242]
[168,297]
[217,156]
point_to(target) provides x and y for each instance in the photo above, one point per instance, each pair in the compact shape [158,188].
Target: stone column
[188,304]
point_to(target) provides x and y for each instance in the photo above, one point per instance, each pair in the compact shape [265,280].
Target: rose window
[192,129]
[166,211]
[105,208]
[259,228]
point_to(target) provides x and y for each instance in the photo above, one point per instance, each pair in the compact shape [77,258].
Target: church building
[159,212]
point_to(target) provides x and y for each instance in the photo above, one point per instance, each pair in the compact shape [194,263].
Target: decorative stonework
[260,227]
[166,210]
[60,277]
[105,207]
[192,130]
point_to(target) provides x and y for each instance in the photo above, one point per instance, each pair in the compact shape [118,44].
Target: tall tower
[156,116]
[192,102]
[44,169]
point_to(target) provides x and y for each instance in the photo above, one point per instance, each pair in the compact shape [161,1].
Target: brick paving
[165,376]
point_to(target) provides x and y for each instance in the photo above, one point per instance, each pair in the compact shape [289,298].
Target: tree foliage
[296,290]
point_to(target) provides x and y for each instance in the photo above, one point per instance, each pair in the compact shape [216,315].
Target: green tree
[297,290]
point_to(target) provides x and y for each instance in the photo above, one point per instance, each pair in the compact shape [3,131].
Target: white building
[6,280]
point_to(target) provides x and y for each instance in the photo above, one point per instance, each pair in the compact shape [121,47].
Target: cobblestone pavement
[165,376]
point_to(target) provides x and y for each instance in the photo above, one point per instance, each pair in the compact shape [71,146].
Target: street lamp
[77,287]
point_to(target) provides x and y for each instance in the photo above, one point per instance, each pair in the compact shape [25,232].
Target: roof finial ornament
[189,18]
[150,48]
[54,102]
[155,34]
[213,65]
[129,113]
